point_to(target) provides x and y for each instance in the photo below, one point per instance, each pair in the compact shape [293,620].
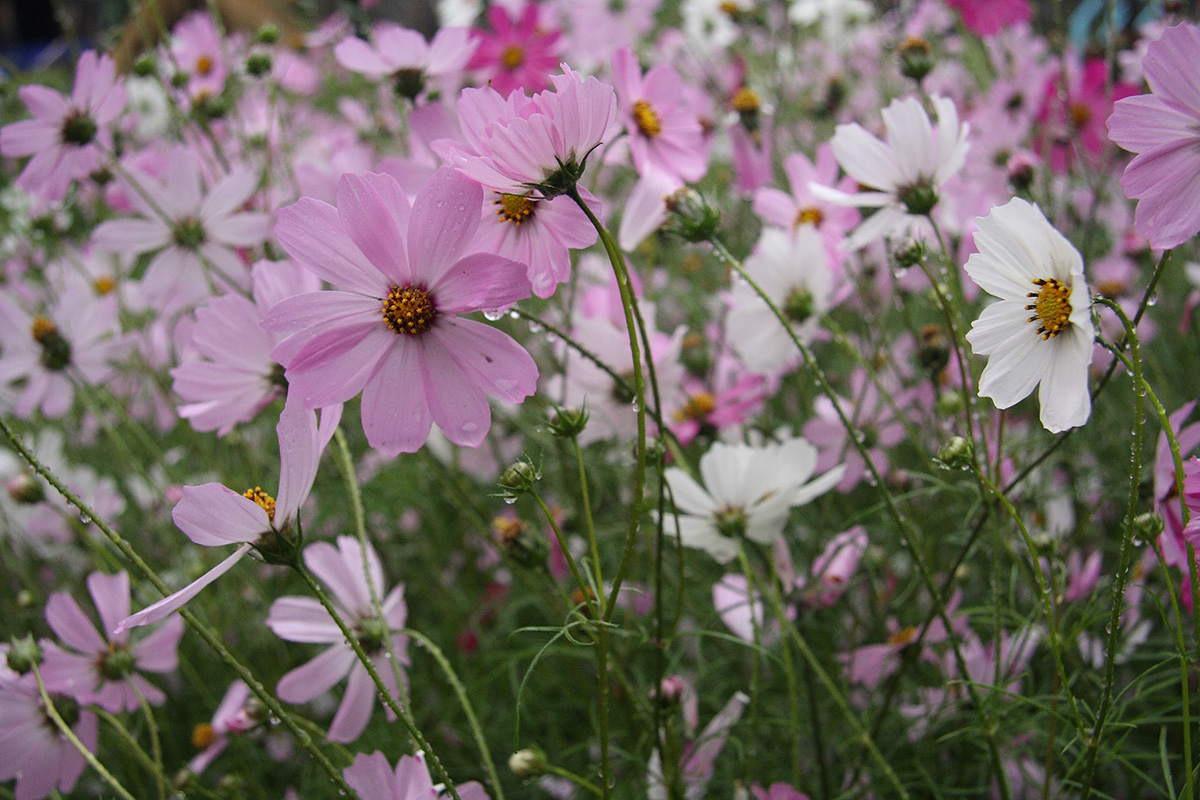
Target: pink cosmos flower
[989,17]
[31,748]
[875,422]
[407,59]
[518,52]
[777,791]
[231,716]
[374,779]
[664,131]
[1163,128]
[197,48]
[304,619]
[392,330]
[212,515]
[699,757]
[103,669]
[231,376]
[66,137]
[1070,123]
[194,232]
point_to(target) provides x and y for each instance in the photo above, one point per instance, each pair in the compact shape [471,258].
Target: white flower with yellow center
[1040,333]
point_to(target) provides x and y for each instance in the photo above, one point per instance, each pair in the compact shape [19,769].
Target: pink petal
[159,652]
[335,366]
[497,362]
[355,711]
[374,209]
[457,404]
[341,569]
[313,234]
[395,415]
[110,594]
[303,619]
[356,55]
[480,281]
[371,776]
[71,625]
[443,221]
[299,454]
[317,676]
[212,515]
[169,605]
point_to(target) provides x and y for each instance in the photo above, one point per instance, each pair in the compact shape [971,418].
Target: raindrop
[493,314]
[634,403]
[514,314]
[550,337]
[535,327]
[510,500]
[469,427]
[1152,300]
[85,519]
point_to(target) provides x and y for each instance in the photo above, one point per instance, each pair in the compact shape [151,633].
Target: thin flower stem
[465,702]
[756,653]
[617,259]
[70,736]
[1185,515]
[151,765]
[1047,601]
[908,535]
[152,726]
[1123,561]
[834,691]
[392,702]
[585,588]
[573,778]
[210,638]
[589,523]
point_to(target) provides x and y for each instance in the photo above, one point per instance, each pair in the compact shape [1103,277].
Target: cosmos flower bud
[25,489]
[23,655]
[519,479]
[695,219]
[955,453]
[916,58]
[568,422]
[529,762]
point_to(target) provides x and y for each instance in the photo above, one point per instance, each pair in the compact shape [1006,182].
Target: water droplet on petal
[493,314]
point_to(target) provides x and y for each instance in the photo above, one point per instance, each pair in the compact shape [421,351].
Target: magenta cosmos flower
[392,329]
[519,52]
[66,136]
[304,619]
[989,17]
[104,669]
[1163,128]
[374,779]
[213,515]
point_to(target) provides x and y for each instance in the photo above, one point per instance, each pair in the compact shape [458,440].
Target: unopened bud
[514,537]
[916,58]
[955,453]
[670,691]
[1022,168]
[695,219]
[519,479]
[145,66]
[23,655]
[950,402]
[267,34]
[528,763]
[1147,526]
[258,64]
[933,350]
[568,422]
[25,489]
[909,253]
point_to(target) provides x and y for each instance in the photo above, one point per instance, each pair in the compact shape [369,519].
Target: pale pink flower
[194,232]
[231,716]
[67,137]
[664,131]
[213,515]
[777,791]
[198,50]
[103,668]
[374,779]
[304,619]
[31,748]
[699,757]
[413,65]
[518,52]
[391,330]
[1163,128]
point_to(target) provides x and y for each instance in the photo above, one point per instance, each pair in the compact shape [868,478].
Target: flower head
[1041,330]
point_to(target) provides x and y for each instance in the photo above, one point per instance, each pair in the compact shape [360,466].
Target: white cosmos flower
[749,493]
[1041,330]
[906,172]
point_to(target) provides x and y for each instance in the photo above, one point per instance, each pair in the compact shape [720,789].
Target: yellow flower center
[903,636]
[203,736]
[730,9]
[810,215]
[264,501]
[1080,114]
[409,310]
[698,407]
[514,208]
[513,56]
[646,120]
[1051,307]
[204,65]
[745,101]
[104,285]
[43,329]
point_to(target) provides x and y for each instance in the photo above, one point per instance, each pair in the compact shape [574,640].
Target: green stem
[70,736]
[573,778]
[210,638]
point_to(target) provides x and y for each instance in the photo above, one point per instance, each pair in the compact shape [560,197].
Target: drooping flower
[66,136]
[1041,330]
[392,330]
[213,515]
[103,668]
[906,172]
[304,619]
[374,779]
[1163,128]
[699,757]
[747,494]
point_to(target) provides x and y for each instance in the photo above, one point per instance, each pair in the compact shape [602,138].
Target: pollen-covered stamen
[204,65]
[809,215]
[203,736]
[1081,115]
[646,119]
[1051,307]
[104,285]
[698,407]
[56,350]
[513,56]
[903,637]
[264,501]
[514,208]
[409,309]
